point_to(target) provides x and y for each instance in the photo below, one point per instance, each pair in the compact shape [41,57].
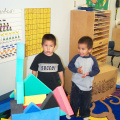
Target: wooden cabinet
[116,38]
[94,24]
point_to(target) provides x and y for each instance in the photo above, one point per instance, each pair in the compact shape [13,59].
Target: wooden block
[32,108]
[116,38]
[49,102]
[16,108]
[20,50]
[5,96]
[33,86]
[62,100]
[36,99]
[48,114]
[20,92]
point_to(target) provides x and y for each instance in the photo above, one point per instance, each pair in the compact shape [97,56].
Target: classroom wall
[60,27]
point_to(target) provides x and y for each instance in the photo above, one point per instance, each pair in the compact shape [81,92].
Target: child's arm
[95,70]
[71,65]
[61,78]
[34,73]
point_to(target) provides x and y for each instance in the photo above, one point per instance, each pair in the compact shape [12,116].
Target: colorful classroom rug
[118,83]
[108,109]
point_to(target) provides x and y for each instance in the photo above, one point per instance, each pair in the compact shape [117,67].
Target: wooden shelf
[101,38]
[99,52]
[101,35]
[102,26]
[99,48]
[102,59]
[98,22]
[93,24]
[100,30]
[101,55]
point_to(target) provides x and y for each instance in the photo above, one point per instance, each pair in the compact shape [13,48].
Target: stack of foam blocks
[33,100]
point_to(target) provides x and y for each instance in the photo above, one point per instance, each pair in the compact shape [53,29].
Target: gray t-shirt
[89,64]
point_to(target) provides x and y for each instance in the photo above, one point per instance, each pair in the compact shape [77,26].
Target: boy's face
[48,47]
[83,49]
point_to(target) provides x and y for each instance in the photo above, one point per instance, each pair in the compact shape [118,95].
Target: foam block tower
[35,101]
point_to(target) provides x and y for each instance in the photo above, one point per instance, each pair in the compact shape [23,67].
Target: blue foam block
[32,108]
[5,96]
[19,70]
[48,114]
[20,92]
[20,50]
[5,105]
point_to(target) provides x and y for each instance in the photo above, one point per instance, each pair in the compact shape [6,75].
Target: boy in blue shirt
[84,67]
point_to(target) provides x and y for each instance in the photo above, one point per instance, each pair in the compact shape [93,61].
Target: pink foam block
[62,100]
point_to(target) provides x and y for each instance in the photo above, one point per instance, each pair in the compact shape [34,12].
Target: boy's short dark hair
[87,40]
[49,37]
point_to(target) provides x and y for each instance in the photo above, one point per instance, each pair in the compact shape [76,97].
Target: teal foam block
[19,70]
[20,50]
[33,86]
[48,114]
[20,92]
[11,95]
[32,108]
[62,113]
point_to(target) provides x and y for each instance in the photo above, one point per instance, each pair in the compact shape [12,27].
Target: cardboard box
[104,83]
[116,38]
[118,26]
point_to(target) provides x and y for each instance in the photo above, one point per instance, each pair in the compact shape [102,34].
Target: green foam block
[33,86]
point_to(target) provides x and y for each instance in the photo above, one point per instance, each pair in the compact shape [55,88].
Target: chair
[112,52]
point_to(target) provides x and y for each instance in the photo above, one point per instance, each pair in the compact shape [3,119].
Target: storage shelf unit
[93,24]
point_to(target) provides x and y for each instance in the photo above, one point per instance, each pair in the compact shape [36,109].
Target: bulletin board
[37,23]
[10,33]
[98,4]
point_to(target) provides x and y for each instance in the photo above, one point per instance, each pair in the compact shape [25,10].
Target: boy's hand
[79,70]
[85,74]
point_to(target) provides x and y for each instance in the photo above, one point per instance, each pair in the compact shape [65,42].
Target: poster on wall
[98,4]
[10,33]
[37,23]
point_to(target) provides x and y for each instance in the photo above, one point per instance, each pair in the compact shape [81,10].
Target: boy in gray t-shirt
[84,67]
